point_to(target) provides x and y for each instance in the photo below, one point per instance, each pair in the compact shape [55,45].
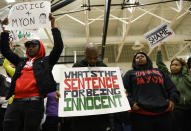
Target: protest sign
[16,35]
[91,91]
[29,15]
[13,36]
[158,35]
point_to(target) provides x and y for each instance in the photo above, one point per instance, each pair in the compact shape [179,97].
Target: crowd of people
[160,99]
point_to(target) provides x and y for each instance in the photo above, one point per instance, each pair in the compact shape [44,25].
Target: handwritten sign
[29,15]
[91,91]
[158,35]
[16,35]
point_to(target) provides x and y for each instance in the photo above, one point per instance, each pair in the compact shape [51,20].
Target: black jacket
[84,63]
[149,87]
[42,67]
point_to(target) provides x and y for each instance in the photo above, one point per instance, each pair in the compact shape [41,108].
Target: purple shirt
[51,105]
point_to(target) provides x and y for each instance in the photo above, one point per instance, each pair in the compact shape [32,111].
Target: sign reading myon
[29,15]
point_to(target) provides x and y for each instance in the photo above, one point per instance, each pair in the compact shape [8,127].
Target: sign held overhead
[29,15]
[158,35]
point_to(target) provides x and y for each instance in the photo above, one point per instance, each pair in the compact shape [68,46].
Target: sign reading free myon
[91,91]
[29,15]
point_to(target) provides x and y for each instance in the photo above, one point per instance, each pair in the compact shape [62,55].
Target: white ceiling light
[10,1]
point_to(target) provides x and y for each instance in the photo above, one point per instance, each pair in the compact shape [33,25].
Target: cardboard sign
[158,35]
[29,15]
[91,91]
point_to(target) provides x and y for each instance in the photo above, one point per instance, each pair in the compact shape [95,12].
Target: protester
[11,71]
[94,122]
[32,80]
[182,79]
[9,68]
[5,82]
[122,119]
[52,121]
[151,95]
[4,88]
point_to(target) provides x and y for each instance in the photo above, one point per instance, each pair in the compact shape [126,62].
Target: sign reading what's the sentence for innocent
[91,91]
[29,15]
[158,35]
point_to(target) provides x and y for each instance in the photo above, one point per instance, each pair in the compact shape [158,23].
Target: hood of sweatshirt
[41,52]
[149,64]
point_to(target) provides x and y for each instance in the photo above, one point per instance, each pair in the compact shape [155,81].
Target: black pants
[182,120]
[162,122]
[52,123]
[2,114]
[24,115]
[55,123]
[91,123]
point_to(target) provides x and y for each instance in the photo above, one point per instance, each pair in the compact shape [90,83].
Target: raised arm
[10,70]
[159,61]
[5,49]
[58,43]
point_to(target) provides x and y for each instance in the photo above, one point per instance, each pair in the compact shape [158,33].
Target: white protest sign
[91,91]
[158,35]
[29,15]
[13,36]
